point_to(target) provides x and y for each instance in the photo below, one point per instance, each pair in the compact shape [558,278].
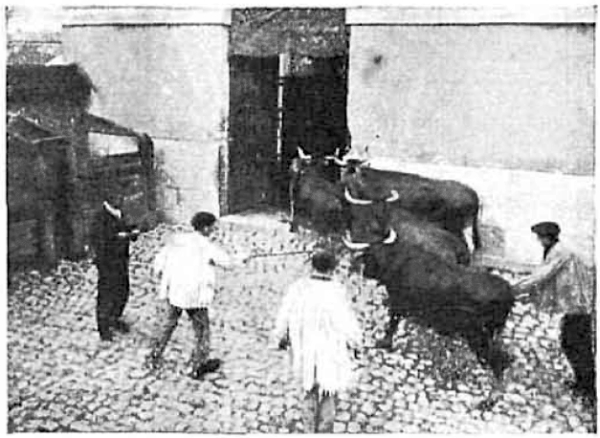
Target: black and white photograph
[300,219]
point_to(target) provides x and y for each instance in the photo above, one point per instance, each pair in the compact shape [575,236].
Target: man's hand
[284,343]
[242,258]
[134,234]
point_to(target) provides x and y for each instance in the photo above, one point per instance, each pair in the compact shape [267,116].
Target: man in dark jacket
[110,240]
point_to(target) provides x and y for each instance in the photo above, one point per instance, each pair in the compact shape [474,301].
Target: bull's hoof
[385,344]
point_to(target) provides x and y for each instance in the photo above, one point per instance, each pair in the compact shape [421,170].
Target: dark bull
[449,205]
[313,195]
[449,298]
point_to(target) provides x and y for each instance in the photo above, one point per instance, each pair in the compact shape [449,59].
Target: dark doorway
[253,159]
[307,108]
[314,108]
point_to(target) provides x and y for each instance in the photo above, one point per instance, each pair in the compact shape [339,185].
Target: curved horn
[302,154]
[339,162]
[393,196]
[355,201]
[354,246]
[391,238]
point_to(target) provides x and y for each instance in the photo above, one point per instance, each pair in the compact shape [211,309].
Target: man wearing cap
[110,239]
[317,323]
[563,285]
[186,265]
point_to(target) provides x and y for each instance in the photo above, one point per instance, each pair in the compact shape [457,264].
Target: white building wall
[163,71]
[501,100]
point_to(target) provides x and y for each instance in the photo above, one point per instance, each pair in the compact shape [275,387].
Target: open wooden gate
[37,194]
[254,166]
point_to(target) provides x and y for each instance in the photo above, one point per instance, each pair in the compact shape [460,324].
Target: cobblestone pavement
[60,378]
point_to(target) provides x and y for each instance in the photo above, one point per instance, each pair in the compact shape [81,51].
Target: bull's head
[372,256]
[369,220]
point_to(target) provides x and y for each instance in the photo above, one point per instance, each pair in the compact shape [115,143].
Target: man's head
[203,222]
[547,233]
[324,262]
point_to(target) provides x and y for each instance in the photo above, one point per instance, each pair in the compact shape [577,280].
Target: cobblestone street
[61,378]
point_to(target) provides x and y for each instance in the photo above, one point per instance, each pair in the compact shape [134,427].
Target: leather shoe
[210,366]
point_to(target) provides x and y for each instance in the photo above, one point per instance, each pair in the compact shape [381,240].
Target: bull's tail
[476,234]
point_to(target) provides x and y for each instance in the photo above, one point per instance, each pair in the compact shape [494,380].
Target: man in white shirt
[186,265]
[316,320]
[563,286]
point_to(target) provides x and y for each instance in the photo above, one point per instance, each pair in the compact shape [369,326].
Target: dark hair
[324,261]
[202,220]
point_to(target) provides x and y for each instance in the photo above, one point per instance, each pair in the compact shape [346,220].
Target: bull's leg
[489,351]
[387,341]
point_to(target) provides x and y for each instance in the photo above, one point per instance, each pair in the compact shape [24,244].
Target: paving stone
[353,427]
[402,391]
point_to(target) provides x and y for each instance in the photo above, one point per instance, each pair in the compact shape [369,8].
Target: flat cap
[546,229]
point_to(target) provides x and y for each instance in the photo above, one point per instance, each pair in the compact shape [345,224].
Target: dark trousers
[201,325]
[113,294]
[576,342]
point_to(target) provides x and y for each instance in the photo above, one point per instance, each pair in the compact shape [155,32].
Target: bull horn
[393,197]
[354,246]
[355,201]
[391,238]
[302,154]
[339,162]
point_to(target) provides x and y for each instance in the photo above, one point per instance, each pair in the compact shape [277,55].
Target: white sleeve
[347,319]
[160,261]
[220,257]
[283,317]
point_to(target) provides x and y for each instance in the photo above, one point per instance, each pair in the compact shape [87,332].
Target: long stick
[278,254]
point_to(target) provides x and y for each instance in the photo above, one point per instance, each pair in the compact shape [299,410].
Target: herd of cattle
[415,236]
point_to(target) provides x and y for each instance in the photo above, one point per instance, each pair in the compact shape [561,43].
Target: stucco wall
[171,81]
[509,96]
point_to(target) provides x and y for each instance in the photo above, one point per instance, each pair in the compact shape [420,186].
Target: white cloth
[188,276]
[321,324]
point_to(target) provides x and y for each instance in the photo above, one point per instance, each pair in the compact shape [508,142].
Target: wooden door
[253,160]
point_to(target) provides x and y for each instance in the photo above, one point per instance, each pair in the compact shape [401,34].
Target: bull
[371,220]
[449,298]
[450,205]
[313,195]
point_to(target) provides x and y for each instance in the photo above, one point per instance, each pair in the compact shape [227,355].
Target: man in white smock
[317,322]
